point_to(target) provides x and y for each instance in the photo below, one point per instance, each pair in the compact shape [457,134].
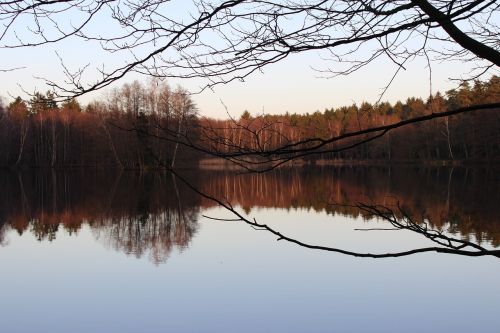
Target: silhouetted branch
[225,41]
[261,159]
[5,70]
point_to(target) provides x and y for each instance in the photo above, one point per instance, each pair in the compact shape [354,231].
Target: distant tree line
[469,137]
[141,126]
[41,133]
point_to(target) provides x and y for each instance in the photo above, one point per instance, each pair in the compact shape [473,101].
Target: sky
[290,86]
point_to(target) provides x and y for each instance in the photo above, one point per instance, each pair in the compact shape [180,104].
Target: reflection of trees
[135,213]
[157,234]
[151,214]
[3,229]
[434,194]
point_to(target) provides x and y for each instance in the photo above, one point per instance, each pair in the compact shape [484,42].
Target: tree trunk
[448,137]
[176,143]
[112,144]
[54,145]
[23,134]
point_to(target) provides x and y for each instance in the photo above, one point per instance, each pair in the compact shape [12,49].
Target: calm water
[95,251]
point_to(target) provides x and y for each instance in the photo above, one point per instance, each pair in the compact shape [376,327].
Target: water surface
[96,251]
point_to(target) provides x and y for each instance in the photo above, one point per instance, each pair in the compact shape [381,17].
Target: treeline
[117,132]
[466,137]
[140,126]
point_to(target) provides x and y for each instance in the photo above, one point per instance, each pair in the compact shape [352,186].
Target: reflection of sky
[235,279]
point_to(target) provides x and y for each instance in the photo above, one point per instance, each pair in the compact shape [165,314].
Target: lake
[89,250]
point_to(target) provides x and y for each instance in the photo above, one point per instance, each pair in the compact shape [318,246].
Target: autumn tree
[18,114]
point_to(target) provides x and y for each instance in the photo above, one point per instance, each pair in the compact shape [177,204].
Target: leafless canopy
[222,41]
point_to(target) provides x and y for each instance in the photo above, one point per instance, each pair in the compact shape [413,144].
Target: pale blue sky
[291,85]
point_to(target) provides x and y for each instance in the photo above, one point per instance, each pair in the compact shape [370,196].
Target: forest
[111,133]
[148,126]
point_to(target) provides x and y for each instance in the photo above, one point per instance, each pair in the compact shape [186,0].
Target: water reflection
[152,213]
[463,199]
[138,214]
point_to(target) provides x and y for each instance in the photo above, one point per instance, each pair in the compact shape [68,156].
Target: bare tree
[183,109]
[222,41]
